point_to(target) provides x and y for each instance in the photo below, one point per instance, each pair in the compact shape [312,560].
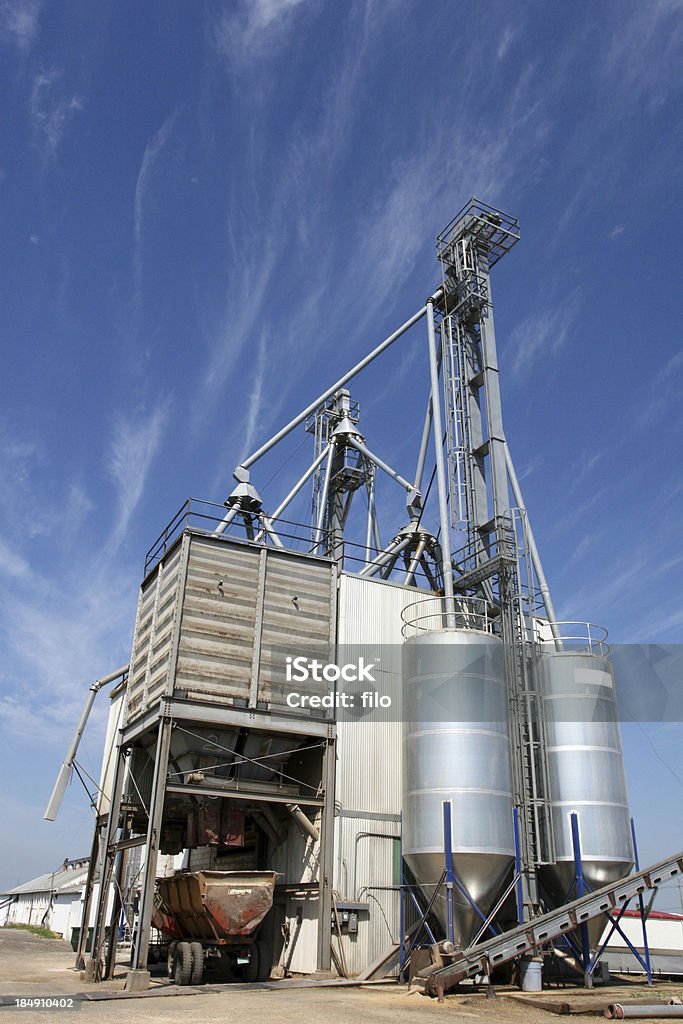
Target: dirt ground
[31,966]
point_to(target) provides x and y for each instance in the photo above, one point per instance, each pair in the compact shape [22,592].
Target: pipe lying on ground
[619,1011]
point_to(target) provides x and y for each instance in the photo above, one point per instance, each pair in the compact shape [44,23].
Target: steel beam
[210,714]
[533,549]
[337,385]
[355,443]
[293,493]
[283,795]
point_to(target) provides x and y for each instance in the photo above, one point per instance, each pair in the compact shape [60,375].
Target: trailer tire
[182,970]
[265,961]
[170,959]
[250,970]
[197,951]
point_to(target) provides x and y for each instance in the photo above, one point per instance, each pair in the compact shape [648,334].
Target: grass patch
[42,933]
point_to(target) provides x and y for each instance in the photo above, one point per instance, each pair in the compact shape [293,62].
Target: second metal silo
[456,747]
[585,762]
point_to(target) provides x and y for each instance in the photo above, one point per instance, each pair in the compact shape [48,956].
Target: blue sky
[210,210]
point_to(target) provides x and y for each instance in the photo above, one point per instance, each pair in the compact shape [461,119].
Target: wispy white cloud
[506,40]
[646,51]
[247,29]
[59,634]
[19,21]
[597,599]
[246,293]
[52,110]
[542,335]
[253,423]
[12,563]
[664,389]
[583,467]
[531,466]
[578,512]
[151,155]
[136,441]
[617,230]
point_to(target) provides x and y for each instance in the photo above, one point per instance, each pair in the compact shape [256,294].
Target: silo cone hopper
[483,875]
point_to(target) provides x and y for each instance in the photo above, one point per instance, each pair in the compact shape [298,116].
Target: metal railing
[206,517]
[354,558]
[571,637]
[431,614]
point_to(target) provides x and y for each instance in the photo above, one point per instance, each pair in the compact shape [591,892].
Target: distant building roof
[654,915]
[69,877]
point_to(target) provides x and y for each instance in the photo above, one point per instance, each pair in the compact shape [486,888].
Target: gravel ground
[30,966]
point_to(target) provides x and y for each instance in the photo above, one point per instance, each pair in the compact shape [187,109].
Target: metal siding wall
[297,616]
[369,770]
[369,752]
[114,723]
[364,867]
[218,605]
[218,620]
[153,626]
[297,859]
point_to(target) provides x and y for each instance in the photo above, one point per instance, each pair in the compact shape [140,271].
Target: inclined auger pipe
[335,387]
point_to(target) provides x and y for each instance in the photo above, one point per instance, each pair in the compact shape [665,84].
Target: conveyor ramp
[531,936]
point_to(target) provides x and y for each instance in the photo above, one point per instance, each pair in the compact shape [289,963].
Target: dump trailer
[215,916]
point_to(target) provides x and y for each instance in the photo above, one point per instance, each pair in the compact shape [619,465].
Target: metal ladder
[526,698]
[457,447]
[533,935]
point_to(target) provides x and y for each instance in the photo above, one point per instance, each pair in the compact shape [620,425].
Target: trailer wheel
[250,970]
[182,970]
[197,951]
[170,959]
[265,961]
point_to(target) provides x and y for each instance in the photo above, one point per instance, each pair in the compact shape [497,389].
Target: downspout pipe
[64,776]
[305,825]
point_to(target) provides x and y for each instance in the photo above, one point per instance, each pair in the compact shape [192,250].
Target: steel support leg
[580,893]
[87,902]
[116,907]
[450,874]
[93,964]
[641,904]
[519,890]
[156,811]
[326,861]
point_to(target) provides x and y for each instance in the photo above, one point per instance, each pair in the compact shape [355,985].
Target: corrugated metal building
[52,900]
[664,939]
[368,790]
[363,617]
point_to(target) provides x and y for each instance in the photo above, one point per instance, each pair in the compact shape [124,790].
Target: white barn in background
[52,900]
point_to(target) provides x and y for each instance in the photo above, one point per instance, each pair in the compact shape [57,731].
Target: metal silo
[585,763]
[456,747]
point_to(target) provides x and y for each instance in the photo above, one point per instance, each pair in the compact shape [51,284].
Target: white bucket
[531,974]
